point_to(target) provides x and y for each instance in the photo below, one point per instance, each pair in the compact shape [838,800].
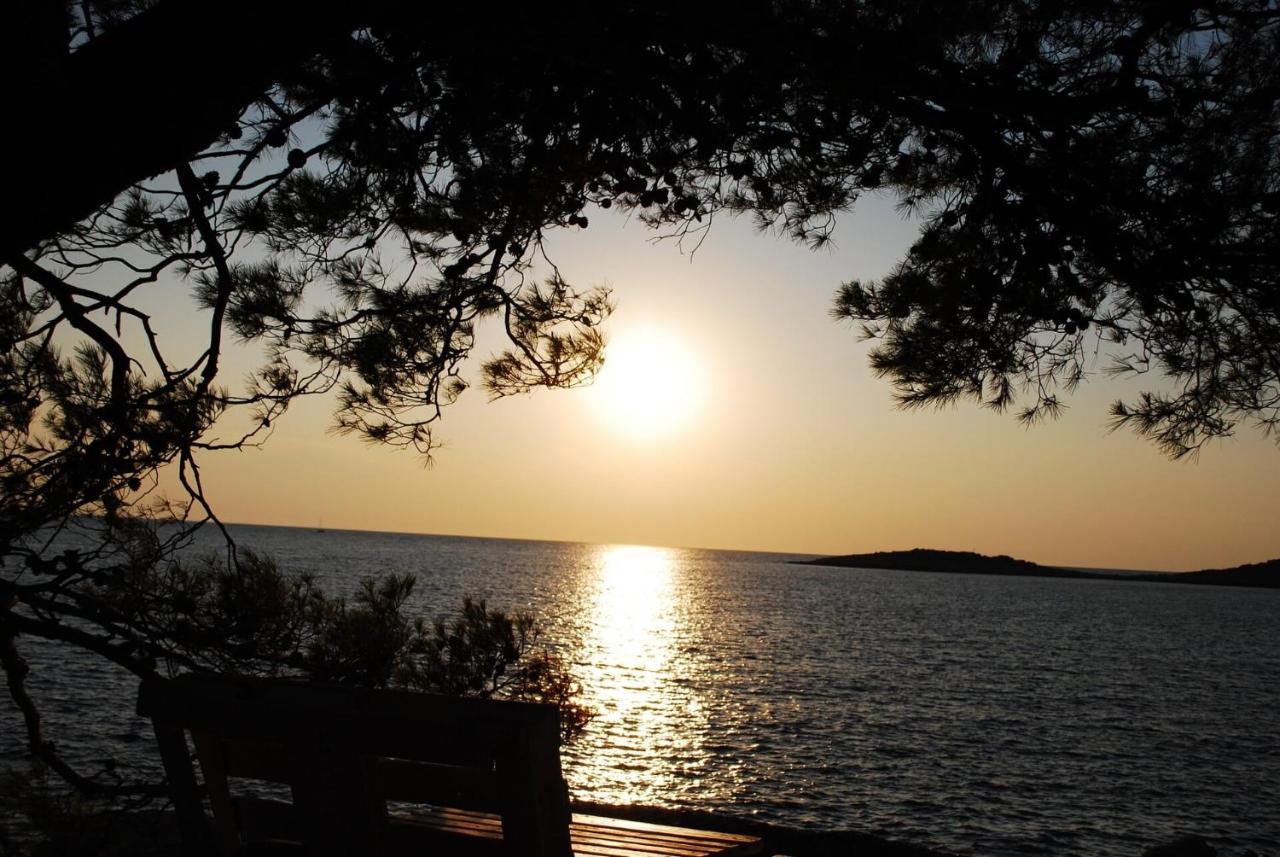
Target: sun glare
[631,672]
[651,384]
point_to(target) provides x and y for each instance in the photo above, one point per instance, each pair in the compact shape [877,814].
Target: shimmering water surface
[975,714]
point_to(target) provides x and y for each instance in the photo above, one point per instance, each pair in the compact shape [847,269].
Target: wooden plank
[338,810]
[474,742]
[213,765]
[674,839]
[533,798]
[646,845]
[597,836]
[175,755]
[600,836]
[487,825]
[643,826]
[627,848]
[409,839]
[242,707]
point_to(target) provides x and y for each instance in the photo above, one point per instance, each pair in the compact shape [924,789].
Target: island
[1260,574]
[1263,574]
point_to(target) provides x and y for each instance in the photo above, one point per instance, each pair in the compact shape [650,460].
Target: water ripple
[981,715]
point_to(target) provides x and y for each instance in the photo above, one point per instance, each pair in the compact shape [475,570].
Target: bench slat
[415,726]
[597,836]
[642,827]
[408,839]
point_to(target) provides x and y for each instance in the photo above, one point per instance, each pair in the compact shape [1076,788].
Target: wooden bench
[378,772]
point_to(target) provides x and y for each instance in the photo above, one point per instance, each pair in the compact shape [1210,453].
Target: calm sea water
[974,714]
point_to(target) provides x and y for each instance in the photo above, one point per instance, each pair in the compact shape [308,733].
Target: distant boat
[320,526]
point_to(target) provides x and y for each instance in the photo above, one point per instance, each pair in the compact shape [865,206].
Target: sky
[738,414]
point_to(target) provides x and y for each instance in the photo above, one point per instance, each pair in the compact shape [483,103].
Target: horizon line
[802,554]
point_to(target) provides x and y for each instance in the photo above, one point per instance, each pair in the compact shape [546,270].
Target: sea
[973,714]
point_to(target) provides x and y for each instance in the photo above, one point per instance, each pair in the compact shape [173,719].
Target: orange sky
[791,444]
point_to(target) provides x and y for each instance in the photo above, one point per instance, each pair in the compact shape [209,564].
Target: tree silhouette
[353,193]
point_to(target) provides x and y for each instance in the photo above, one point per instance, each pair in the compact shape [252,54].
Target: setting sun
[651,384]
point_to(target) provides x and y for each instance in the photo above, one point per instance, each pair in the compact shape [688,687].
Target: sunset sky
[758,425]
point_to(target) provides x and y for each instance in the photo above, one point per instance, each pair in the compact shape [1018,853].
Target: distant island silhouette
[1259,574]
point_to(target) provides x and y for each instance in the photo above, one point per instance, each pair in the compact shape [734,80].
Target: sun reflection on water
[634,610]
[646,740]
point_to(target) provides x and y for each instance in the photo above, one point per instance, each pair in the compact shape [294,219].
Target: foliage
[30,810]
[1095,181]
[40,818]
[488,653]
[167,614]
[1125,205]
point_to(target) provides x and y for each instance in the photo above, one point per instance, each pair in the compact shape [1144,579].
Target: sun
[651,384]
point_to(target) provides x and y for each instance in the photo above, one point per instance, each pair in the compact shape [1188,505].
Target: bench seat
[591,835]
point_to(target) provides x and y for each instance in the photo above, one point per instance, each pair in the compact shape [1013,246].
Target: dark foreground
[154,834]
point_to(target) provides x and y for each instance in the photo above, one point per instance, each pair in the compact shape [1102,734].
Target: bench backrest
[345,752]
